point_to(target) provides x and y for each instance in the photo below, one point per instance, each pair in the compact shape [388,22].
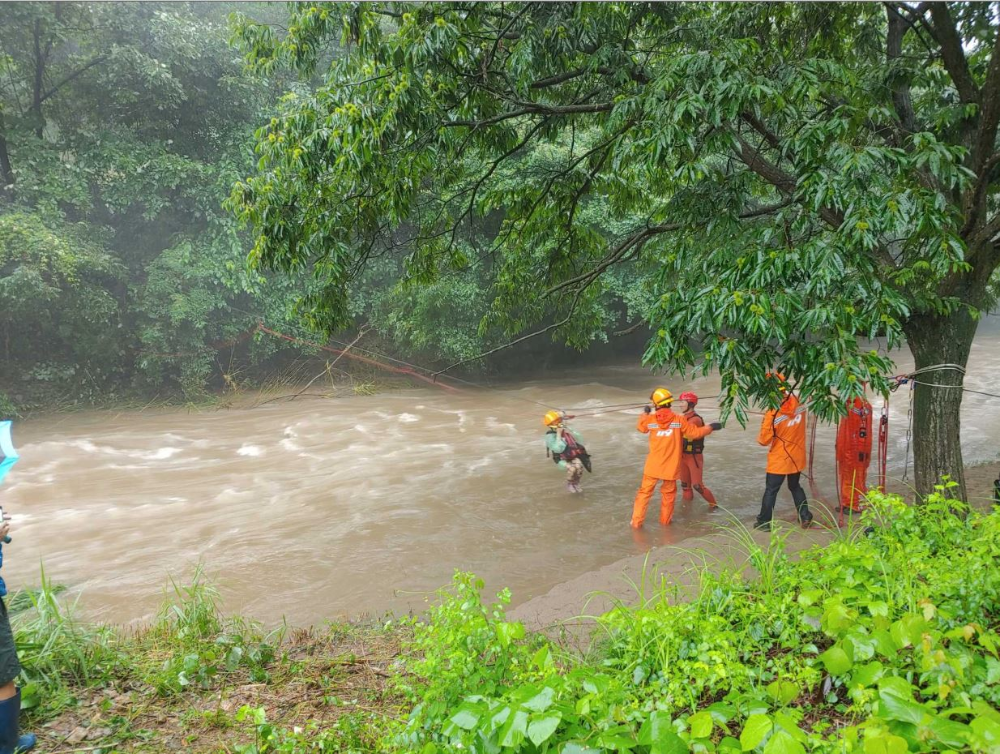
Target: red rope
[813,486]
[883,444]
[215,345]
[357,357]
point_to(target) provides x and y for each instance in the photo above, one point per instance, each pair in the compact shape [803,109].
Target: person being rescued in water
[566,448]
[692,459]
[667,432]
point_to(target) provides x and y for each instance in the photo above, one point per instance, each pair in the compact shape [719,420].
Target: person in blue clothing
[11,742]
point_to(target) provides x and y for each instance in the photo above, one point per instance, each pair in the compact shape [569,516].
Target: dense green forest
[123,128]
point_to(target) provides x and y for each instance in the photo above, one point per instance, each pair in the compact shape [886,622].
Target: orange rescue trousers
[668,494]
[852,485]
[692,465]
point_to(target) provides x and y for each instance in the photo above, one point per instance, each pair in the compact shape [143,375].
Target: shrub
[883,641]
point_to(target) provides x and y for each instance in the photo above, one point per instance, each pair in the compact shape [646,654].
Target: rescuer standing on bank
[783,430]
[566,448]
[667,432]
[693,459]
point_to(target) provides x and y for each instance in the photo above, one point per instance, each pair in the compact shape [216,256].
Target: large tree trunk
[936,441]
[6,171]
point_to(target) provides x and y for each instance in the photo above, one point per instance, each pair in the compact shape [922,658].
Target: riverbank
[813,648]
[623,581]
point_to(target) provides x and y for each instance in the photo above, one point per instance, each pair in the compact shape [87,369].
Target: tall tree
[804,177]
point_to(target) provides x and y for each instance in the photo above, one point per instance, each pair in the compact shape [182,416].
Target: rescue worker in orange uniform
[692,459]
[783,430]
[854,454]
[667,432]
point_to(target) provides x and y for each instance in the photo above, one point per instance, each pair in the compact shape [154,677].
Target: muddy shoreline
[569,604]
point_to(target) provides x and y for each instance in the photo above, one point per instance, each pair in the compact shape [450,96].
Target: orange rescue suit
[854,453]
[784,430]
[667,432]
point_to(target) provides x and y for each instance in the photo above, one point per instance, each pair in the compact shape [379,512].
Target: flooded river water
[321,509]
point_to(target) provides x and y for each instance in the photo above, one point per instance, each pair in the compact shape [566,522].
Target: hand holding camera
[4,527]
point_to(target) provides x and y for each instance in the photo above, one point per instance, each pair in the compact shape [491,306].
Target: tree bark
[937,449]
[6,171]
[36,100]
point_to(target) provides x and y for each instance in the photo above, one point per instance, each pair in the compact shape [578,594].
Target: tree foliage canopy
[794,181]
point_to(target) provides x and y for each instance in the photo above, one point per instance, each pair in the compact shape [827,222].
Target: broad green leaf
[754,731]
[465,719]
[949,732]
[701,724]
[543,658]
[836,661]
[541,701]
[514,730]
[896,697]
[867,675]
[573,747]
[986,733]
[729,745]
[541,729]
[783,692]
[783,743]
[662,738]
[884,644]
[885,743]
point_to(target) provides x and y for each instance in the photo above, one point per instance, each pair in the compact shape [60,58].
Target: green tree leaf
[755,730]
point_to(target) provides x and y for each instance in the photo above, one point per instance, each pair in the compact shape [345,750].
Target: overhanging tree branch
[554,326]
[76,74]
[634,73]
[899,86]
[533,109]
[952,53]
[635,240]
[989,117]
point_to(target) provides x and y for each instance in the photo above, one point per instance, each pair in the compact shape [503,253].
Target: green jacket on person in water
[557,445]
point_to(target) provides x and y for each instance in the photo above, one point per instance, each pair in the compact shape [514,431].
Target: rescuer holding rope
[667,433]
[692,459]
[783,430]
[566,448]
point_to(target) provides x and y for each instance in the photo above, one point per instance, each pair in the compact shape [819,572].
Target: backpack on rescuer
[573,450]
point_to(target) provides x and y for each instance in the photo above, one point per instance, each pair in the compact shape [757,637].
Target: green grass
[56,651]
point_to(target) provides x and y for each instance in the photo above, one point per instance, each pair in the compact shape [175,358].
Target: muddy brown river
[319,509]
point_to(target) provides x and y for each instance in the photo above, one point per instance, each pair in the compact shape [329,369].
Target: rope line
[357,357]
[909,434]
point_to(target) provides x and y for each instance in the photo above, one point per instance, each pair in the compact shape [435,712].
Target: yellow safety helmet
[661,397]
[782,382]
[551,417]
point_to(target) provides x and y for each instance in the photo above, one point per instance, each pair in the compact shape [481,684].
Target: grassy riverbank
[878,643]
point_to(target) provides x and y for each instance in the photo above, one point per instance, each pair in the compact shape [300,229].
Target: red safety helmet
[689,397]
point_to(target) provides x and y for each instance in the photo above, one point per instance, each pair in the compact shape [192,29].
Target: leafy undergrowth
[196,681]
[884,641]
